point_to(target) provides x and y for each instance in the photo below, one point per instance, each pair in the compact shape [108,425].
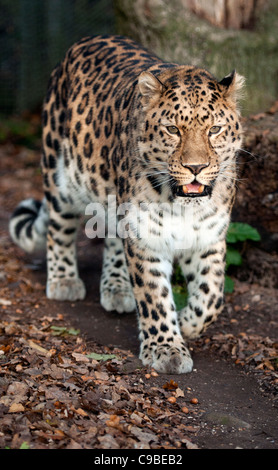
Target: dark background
[34,36]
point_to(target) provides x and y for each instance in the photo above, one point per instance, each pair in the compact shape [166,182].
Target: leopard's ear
[150,87]
[232,85]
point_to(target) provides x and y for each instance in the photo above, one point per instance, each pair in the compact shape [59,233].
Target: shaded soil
[56,393]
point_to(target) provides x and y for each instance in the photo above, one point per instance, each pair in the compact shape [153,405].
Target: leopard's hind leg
[63,281]
[64,208]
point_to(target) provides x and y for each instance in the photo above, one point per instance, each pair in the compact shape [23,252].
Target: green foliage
[228,285]
[24,445]
[233,256]
[180,295]
[63,331]
[179,288]
[237,232]
[101,357]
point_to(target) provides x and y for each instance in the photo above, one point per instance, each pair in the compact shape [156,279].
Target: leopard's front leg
[162,345]
[204,272]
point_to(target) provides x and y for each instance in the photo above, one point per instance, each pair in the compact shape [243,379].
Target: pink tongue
[193,187]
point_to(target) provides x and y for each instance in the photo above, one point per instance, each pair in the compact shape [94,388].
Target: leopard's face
[190,130]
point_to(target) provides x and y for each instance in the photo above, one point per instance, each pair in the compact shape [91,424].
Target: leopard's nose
[195,169]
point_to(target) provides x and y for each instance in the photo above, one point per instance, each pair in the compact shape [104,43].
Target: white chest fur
[175,227]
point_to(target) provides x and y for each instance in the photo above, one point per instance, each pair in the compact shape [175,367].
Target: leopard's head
[190,128]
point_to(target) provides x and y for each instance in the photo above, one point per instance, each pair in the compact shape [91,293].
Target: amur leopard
[161,139]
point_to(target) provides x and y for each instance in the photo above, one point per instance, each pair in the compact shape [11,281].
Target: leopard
[161,139]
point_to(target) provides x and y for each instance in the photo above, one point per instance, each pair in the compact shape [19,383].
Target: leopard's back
[89,98]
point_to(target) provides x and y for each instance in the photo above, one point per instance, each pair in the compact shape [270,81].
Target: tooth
[201,188]
[185,190]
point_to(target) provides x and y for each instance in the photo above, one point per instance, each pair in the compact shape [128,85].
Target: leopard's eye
[215,130]
[173,130]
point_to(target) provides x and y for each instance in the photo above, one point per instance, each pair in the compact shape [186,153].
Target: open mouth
[194,189]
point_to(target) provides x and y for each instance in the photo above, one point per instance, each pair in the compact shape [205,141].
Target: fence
[34,36]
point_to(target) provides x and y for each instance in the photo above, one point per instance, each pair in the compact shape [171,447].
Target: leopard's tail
[28,225]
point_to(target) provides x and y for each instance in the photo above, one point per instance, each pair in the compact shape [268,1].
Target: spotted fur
[119,121]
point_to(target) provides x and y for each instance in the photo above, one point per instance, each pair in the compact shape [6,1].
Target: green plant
[24,445]
[101,357]
[63,331]
[179,288]
[238,233]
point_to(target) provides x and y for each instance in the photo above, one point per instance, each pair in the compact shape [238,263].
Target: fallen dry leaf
[5,302]
[16,408]
[38,348]
[80,357]
[171,385]
[81,412]
[179,393]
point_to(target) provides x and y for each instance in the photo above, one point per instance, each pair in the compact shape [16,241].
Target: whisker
[160,183]
[231,177]
[155,171]
[255,156]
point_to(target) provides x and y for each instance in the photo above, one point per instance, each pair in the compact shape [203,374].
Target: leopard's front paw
[66,289]
[119,300]
[190,332]
[174,359]
[193,328]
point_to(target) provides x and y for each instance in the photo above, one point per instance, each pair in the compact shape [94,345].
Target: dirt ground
[69,373]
